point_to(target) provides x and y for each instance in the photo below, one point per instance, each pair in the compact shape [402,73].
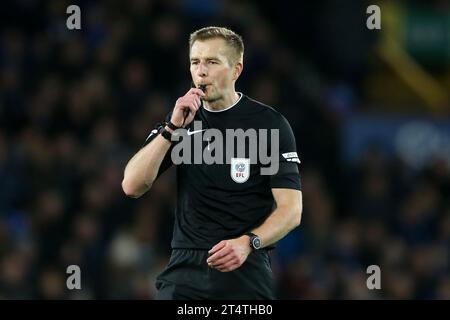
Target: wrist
[173,125]
[167,128]
[166,135]
[254,241]
[245,243]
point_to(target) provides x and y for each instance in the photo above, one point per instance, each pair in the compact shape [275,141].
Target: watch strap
[166,135]
[172,126]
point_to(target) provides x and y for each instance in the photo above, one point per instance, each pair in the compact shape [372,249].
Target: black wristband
[166,135]
[172,126]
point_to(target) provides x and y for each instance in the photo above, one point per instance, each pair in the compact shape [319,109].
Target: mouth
[203,87]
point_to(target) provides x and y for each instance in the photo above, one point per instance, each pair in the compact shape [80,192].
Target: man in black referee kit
[230,211]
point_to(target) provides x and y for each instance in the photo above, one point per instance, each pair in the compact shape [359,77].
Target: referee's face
[211,65]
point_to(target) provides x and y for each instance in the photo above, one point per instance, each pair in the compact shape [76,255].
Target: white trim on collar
[227,108]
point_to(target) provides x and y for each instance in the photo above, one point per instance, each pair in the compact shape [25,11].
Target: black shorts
[188,276]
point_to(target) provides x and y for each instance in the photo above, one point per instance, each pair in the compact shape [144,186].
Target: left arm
[229,255]
[283,219]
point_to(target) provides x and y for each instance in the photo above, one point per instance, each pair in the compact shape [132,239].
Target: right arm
[142,170]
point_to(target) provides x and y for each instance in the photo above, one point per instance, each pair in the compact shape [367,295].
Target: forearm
[230,254]
[142,169]
[281,221]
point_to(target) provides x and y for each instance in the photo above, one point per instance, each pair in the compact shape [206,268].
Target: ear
[237,70]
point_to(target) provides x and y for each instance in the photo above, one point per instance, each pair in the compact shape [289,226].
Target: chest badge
[240,169]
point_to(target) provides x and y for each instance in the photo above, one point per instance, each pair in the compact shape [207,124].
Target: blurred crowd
[75,105]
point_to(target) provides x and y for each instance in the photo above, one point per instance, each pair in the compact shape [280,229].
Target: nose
[202,70]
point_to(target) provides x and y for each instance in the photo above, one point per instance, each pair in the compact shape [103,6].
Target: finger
[197,102]
[219,254]
[217,247]
[229,264]
[179,104]
[189,107]
[193,107]
[221,262]
[182,103]
[192,100]
[229,268]
[197,92]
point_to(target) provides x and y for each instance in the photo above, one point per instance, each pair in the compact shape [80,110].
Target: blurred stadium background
[370,110]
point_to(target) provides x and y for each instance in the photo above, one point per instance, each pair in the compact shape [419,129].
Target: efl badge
[240,169]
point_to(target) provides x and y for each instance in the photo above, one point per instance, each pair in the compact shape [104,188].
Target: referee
[228,214]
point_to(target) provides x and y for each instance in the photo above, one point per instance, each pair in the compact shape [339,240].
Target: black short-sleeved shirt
[223,201]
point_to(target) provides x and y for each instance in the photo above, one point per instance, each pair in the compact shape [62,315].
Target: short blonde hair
[232,39]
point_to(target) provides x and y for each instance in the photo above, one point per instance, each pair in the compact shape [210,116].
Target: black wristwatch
[255,241]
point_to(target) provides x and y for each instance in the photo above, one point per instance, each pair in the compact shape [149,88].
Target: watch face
[256,241]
